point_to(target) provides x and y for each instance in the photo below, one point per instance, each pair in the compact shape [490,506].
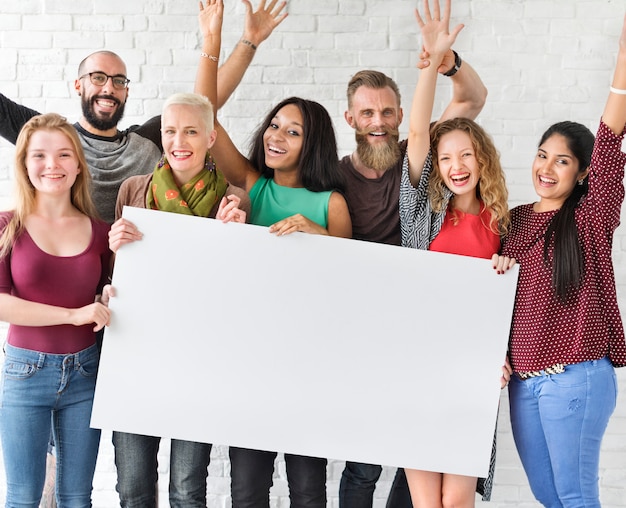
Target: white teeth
[181,154]
[274,149]
[377,133]
[459,178]
[106,104]
[543,179]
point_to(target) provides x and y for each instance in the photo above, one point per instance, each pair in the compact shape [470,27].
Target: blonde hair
[491,188]
[26,193]
[204,106]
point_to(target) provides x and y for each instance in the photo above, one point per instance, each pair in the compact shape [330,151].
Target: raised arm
[235,166]
[258,26]
[614,115]
[437,41]
[468,94]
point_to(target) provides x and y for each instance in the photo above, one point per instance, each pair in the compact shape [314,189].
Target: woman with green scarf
[187,181]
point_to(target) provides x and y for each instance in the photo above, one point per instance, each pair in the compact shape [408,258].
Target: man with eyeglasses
[103,86]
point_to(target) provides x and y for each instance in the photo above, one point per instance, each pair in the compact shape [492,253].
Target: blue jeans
[251,479]
[137,471]
[558,422]
[40,389]
[358,482]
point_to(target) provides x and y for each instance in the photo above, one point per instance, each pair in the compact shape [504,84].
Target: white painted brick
[27,40]
[98,23]
[47,22]
[78,40]
[9,23]
[542,60]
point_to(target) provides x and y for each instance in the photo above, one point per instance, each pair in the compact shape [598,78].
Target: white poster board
[312,345]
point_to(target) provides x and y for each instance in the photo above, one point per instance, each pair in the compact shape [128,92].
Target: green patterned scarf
[197,197]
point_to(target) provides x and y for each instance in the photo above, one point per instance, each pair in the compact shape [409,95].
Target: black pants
[358,482]
[251,479]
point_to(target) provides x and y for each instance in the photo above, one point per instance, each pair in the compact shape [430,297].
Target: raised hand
[210,18]
[260,24]
[436,36]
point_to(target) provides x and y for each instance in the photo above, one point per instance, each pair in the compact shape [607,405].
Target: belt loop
[41,360]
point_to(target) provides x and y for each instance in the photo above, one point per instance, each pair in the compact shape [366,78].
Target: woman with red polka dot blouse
[567,334]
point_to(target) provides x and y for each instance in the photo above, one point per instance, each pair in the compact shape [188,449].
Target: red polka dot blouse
[588,326]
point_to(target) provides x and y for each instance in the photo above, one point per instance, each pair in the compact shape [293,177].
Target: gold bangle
[210,57]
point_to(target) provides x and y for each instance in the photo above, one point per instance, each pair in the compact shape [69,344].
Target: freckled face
[283,139]
[555,172]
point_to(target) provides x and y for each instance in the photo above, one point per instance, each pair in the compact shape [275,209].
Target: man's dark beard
[381,156]
[102,124]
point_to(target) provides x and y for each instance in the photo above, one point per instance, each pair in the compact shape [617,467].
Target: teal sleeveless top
[272,203]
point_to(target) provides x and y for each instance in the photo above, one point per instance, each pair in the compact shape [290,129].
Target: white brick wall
[542,60]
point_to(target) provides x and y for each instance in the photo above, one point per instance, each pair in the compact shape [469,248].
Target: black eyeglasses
[100,78]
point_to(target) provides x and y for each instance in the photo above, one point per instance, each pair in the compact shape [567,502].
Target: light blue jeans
[558,422]
[37,389]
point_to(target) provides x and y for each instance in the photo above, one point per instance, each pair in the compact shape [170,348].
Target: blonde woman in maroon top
[567,334]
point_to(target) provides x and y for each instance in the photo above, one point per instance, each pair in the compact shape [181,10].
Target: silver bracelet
[210,57]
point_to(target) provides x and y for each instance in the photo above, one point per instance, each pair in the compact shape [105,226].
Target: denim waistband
[40,359]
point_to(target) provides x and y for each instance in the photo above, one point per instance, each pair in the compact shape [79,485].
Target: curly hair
[25,191]
[491,188]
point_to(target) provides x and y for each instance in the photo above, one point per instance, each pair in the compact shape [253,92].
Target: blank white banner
[319,346]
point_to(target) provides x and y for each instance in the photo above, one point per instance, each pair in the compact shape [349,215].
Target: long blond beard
[379,157]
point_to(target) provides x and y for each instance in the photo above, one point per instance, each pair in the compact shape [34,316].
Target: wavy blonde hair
[25,192]
[491,188]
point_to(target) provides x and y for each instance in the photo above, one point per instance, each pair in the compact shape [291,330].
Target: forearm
[21,312]
[13,116]
[469,94]
[614,115]
[419,122]
[207,77]
[232,71]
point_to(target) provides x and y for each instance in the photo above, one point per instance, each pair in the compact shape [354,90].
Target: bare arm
[258,26]
[237,168]
[468,96]
[614,115]
[21,312]
[339,222]
[437,42]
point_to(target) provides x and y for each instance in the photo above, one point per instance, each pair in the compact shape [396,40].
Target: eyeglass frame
[113,78]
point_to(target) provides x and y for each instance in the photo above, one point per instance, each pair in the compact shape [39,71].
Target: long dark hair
[318,163]
[568,266]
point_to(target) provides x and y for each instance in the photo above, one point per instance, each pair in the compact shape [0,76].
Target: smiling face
[102,105]
[283,139]
[555,173]
[185,140]
[51,162]
[376,116]
[458,167]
